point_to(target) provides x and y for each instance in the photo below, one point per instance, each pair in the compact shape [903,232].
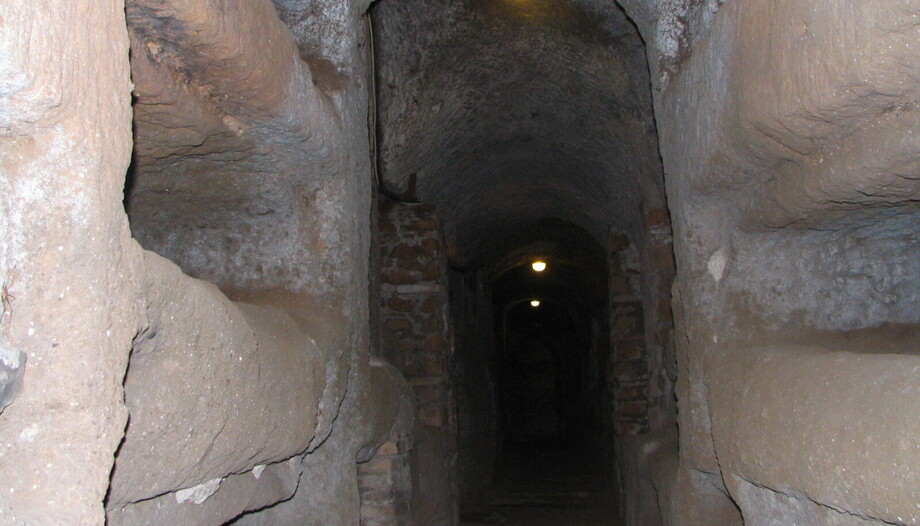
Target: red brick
[400,305]
[430,304]
[428,394]
[629,372]
[397,325]
[434,344]
[657,217]
[430,246]
[627,320]
[432,416]
[404,252]
[431,324]
[385,225]
[424,225]
[398,276]
[432,271]
[414,265]
[630,393]
[405,346]
[619,286]
[629,350]
[632,408]
[625,429]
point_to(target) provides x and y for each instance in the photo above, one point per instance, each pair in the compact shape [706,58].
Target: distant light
[538,266]
[534,303]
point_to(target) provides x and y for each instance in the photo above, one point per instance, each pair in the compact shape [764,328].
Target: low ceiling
[504,113]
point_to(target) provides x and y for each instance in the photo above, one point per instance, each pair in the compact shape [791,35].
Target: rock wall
[68,266]
[201,416]
[790,156]
[249,169]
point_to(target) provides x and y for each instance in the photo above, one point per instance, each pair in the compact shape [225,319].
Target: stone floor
[548,485]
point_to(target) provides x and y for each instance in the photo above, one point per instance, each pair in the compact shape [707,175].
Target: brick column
[628,374]
[415,337]
[385,486]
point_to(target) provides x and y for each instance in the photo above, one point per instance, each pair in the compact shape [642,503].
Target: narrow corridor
[442,262]
[548,484]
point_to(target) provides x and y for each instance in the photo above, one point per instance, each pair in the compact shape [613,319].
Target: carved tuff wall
[789,144]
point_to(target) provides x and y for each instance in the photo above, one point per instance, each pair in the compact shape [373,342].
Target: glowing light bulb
[538,266]
[534,303]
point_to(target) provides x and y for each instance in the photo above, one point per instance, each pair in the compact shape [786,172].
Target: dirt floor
[543,485]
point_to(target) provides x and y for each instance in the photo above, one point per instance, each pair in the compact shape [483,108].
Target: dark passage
[551,464]
[541,483]
[540,394]
[528,128]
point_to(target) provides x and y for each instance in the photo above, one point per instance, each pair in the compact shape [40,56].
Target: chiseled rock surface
[208,399]
[216,501]
[378,407]
[832,427]
[251,167]
[789,147]
[67,262]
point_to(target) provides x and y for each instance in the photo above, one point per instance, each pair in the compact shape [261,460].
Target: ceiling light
[538,266]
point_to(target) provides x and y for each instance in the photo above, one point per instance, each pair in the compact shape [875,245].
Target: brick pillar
[628,374]
[415,337]
[657,278]
[385,486]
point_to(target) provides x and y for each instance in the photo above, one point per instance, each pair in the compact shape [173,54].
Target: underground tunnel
[552,443]
[528,128]
[270,262]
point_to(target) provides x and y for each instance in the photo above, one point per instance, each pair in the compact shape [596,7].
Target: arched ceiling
[503,113]
[575,274]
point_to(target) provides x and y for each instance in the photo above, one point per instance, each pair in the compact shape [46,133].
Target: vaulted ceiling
[505,113]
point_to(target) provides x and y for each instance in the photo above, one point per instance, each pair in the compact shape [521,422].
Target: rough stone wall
[332,488]
[206,435]
[794,205]
[671,28]
[415,338]
[67,262]
[251,170]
